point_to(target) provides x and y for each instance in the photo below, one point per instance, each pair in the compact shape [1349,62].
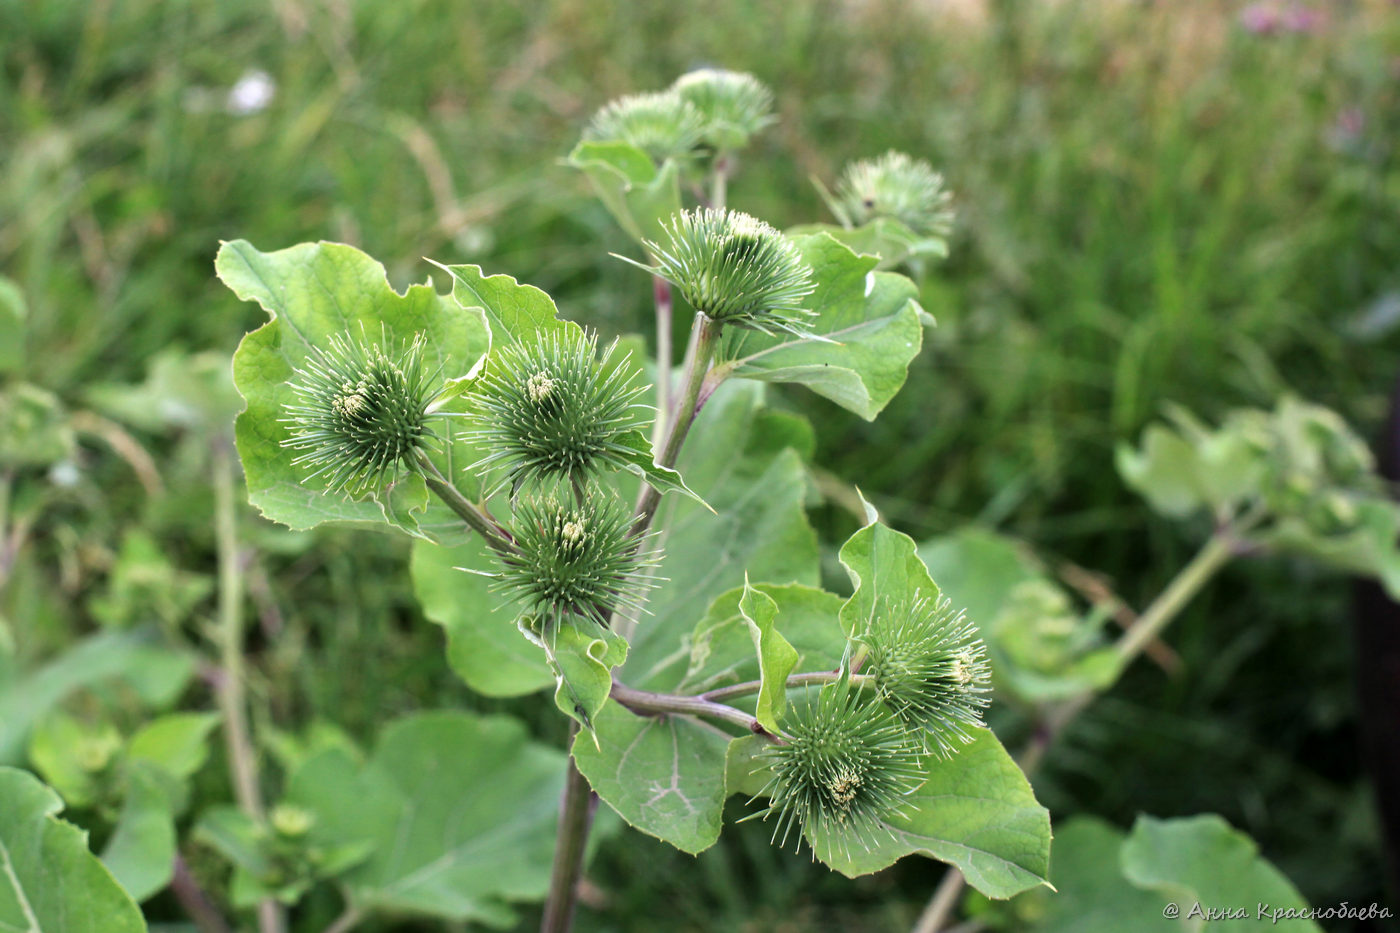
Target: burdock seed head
[663,124]
[896,185]
[552,407]
[930,669]
[732,104]
[361,412]
[846,765]
[735,269]
[576,560]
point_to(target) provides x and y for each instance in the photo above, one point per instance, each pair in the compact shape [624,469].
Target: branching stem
[468,511]
[641,701]
[795,680]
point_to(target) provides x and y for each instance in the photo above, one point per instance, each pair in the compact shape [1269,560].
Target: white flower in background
[251,93]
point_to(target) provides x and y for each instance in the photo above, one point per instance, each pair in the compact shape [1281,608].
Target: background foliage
[1154,206]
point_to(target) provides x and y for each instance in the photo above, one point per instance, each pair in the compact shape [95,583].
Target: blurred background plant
[1156,203]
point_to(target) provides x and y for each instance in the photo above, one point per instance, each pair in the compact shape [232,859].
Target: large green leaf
[757,490]
[458,810]
[1203,861]
[314,291]
[776,656]
[976,811]
[49,881]
[663,774]
[637,193]
[1091,895]
[871,322]
[583,657]
[484,645]
[178,743]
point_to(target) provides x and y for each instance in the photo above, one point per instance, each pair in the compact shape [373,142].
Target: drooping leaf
[663,774]
[584,656]
[776,657]
[871,324]
[641,463]
[459,812]
[637,193]
[314,291]
[1202,859]
[49,881]
[976,811]
[484,645]
[890,239]
[721,646]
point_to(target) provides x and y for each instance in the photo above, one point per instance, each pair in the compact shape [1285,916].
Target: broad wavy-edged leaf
[871,324]
[457,811]
[49,881]
[313,291]
[1204,859]
[663,774]
[976,810]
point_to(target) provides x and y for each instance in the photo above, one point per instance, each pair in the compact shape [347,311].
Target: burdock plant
[667,628]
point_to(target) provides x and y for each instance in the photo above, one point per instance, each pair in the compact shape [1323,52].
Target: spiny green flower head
[662,124]
[734,105]
[551,407]
[579,561]
[931,669]
[896,185]
[845,767]
[361,415]
[736,269]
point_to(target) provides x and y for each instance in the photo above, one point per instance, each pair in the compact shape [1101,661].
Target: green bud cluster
[845,766]
[931,669]
[576,559]
[361,413]
[735,269]
[662,124]
[553,408]
[733,105]
[898,186]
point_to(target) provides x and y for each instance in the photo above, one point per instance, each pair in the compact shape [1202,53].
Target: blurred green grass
[1154,205]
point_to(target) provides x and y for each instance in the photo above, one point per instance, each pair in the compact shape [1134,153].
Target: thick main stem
[1213,555]
[243,767]
[706,336]
[579,802]
[576,810]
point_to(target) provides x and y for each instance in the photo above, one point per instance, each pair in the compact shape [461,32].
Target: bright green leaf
[776,657]
[460,811]
[584,657]
[975,811]
[513,311]
[313,291]
[49,881]
[1202,859]
[641,462]
[887,237]
[73,755]
[885,567]
[871,319]
[663,774]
